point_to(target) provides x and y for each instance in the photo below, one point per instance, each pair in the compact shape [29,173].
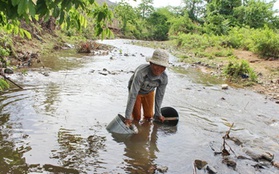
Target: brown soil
[268,73]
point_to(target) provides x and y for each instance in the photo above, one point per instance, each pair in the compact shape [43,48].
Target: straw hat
[160,57]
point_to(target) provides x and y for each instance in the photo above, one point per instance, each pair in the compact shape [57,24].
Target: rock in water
[225,86]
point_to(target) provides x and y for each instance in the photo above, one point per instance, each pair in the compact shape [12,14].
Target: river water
[58,122]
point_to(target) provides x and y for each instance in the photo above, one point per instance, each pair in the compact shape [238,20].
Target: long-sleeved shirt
[142,82]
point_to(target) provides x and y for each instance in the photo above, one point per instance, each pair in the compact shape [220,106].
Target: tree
[252,13]
[146,8]
[223,7]
[195,9]
[126,14]
[65,12]
[158,25]
[257,14]
[181,24]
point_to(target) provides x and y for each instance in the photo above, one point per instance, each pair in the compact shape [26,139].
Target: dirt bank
[268,73]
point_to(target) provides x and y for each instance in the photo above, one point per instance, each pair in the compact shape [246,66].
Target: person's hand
[128,122]
[131,126]
[161,118]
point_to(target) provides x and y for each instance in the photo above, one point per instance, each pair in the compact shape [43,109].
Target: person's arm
[159,96]
[133,92]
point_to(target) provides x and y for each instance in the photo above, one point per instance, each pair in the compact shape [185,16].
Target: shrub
[240,69]
[238,38]
[193,41]
[266,43]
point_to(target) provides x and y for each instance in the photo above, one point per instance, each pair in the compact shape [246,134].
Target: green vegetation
[68,14]
[4,85]
[240,70]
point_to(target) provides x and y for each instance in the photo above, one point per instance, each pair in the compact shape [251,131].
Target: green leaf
[4,84]
[83,21]
[103,35]
[31,7]
[100,16]
[62,17]
[21,7]
[15,2]
[27,34]
[9,26]
[42,8]
[16,29]
[68,22]
[21,33]
[56,12]
[65,4]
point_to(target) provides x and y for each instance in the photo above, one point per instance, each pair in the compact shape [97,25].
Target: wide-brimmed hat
[159,57]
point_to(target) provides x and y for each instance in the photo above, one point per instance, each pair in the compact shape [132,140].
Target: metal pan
[171,116]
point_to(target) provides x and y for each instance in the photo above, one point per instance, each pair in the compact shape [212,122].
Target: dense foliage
[68,14]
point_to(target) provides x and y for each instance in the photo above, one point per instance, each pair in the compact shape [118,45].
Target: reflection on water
[11,151]
[140,149]
[77,152]
[47,103]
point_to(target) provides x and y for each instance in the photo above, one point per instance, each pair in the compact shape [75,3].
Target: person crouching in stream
[147,87]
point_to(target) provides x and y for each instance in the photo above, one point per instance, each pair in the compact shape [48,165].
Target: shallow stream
[58,122]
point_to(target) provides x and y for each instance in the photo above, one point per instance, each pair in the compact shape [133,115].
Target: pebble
[229,162]
[211,169]
[258,154]
[162,169]
[200,164]
[225,86]
[275,164]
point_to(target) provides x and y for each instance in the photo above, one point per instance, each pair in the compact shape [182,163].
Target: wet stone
[162,169]
[275,164]
[229,162]
[200,164]
[104,73]
[258,154]
[211,169]
[225,86]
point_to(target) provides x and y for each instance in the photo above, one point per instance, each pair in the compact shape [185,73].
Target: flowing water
[58,122]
